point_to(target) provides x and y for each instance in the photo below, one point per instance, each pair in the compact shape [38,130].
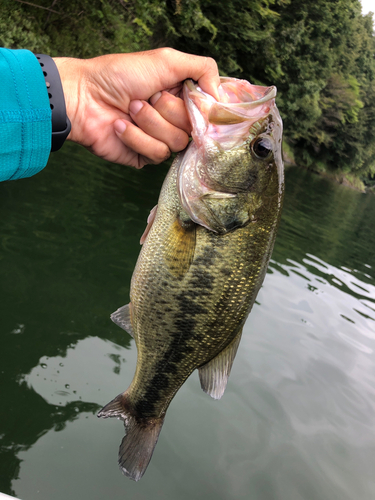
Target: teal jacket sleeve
[25,115]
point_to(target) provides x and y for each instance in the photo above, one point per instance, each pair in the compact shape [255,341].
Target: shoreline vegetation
[347,180]
[320,55]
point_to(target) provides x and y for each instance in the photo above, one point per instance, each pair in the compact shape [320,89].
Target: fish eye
[261,147]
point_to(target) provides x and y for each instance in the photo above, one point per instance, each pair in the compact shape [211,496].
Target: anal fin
[114,408]
[122,318]
[214,375]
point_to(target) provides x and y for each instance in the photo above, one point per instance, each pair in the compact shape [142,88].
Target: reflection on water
[314,374]
[77,375]
[297,419]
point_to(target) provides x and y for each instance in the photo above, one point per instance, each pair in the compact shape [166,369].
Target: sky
[368,5]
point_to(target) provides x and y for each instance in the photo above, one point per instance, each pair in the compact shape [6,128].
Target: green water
[297,420]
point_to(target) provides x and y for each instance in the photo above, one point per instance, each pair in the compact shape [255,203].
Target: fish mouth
[223,131]
[239,102]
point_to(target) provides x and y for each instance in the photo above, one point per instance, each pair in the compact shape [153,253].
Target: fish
[204,256]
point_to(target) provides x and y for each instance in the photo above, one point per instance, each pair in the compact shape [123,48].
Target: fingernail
[119,126]
[154,98]
[135,107]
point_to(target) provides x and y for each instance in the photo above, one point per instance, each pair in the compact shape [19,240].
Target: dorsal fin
[214,374]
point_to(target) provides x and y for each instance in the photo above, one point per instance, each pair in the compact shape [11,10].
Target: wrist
[71,79]
[60,122]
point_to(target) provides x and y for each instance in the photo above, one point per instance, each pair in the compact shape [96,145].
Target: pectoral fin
[122,318]
[180,247]
[214,374]
[150,221]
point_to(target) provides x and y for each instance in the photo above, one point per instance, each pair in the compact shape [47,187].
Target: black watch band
[60,122]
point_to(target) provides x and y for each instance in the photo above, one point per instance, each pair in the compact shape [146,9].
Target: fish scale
[203,260]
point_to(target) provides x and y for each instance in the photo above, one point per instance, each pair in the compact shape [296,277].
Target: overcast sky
[368,5]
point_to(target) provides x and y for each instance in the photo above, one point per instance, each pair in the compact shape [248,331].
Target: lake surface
[297,420]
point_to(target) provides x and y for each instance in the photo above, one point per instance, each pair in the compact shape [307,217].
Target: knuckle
[211,64]
[167,52]
[165,104]
[162,154]
[146,118]
[142,161]
[179,142]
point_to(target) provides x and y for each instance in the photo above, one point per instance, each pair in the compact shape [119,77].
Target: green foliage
[319,54]
[85,28]
[326,49]
[16,30]
[232,32]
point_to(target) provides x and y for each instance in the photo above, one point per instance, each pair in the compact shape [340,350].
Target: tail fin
[141,436]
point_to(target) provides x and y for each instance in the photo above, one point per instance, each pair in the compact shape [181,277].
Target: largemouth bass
[204,257]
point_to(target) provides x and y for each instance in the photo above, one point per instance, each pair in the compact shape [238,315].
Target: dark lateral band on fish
[205,253]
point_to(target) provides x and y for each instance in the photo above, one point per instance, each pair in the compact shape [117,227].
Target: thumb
[204,70]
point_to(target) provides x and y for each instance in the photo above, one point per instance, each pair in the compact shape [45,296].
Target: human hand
[106,101]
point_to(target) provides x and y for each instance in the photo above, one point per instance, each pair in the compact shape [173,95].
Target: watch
[61,125]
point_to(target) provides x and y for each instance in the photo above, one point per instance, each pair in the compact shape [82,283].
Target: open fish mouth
[239,102]
[223,127]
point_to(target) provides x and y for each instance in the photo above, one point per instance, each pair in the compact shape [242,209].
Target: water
[297,419]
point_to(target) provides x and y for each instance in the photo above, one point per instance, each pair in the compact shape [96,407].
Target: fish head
[235,159]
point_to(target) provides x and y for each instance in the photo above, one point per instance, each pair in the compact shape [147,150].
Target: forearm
[25,116]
